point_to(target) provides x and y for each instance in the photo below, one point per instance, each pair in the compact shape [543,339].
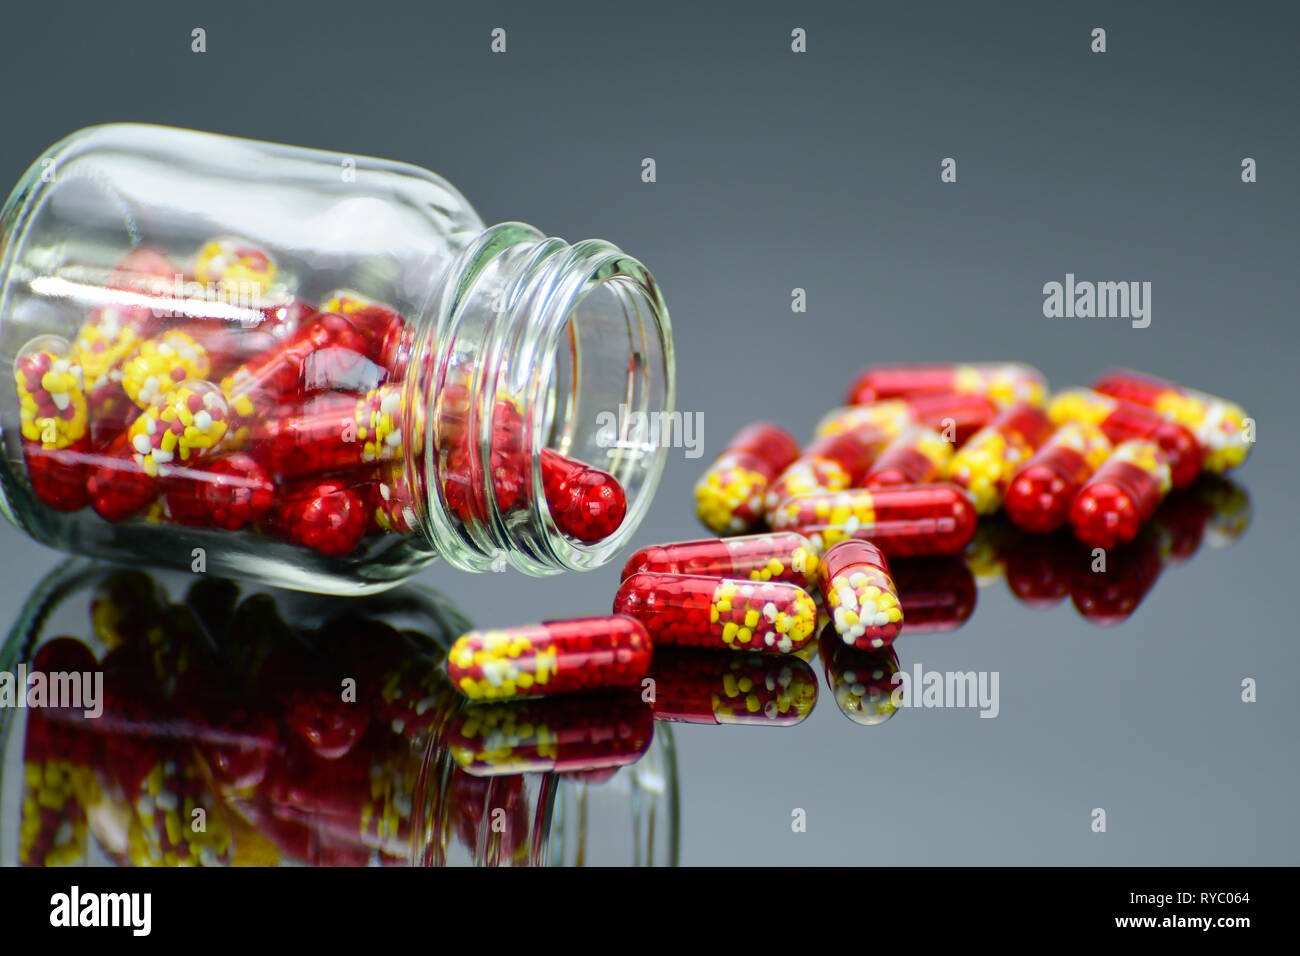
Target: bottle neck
[534,355]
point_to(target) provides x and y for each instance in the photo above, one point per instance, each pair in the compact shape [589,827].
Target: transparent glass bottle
[185,693]
[316,369]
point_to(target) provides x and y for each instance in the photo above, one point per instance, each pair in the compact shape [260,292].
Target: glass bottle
[316,369]
[222,723]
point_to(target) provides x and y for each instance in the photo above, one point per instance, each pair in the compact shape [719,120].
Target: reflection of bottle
[324,380]
[246,726]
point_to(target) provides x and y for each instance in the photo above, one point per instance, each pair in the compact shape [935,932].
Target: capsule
[901,521]
[956,415]
[890,418]
[554,657]
[694,611]
[830,463]
[586,503]
[862,682]
[700,686]
[1039,495]
[1006,383]
[984,465]
[1122,496]
[1122,421]
[729,496]
[938,594]
[918,456]
[773,556]
[860,595]
[580,734]
[1223,429]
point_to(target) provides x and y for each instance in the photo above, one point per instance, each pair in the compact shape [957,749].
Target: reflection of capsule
[698,686]
[860,595]
[1108,596]
[862,682]
[730,613]
[916,457]
[830,463]
[1230,511]
[937,594]
[1004,382]
[1039,569]
[1040,491]
[1123,421]
[774,556]
[984,465]
[901,521]
[986,555]
[1220,427]
[562,735]
[1121,496]
[729,495]
[556,657]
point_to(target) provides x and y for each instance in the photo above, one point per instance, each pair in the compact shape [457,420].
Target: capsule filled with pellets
[984,465]
[1223,429]
[1122,421]
[1041,490]
[890,418]
[955,415]
[772,556]
[1121,496]
[710,687]
[586,503]
[830,463]
[902,521]
[860,595]
[729,495]
[1006,383]
[695,611]
[916,457]
[555,657]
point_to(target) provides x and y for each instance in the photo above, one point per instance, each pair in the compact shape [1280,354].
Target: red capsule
[579,734]
[697,686]
[1004,382]
[774,556]
[555,657]
[1122,496]
[901,521]
[1123,421]
[586,503]
[918,456]
[1041,490]
[729,495]
[328,516]
[860,595]
[739,615]
[937,594]
[1223,429]
[984,465]
[830,463]
[955,415]
[58,475]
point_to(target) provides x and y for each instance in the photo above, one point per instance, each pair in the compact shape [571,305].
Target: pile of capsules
[905,469]
[289,421]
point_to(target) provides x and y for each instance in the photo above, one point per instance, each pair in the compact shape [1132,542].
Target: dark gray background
[822,171]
